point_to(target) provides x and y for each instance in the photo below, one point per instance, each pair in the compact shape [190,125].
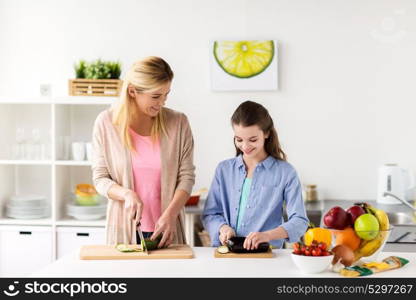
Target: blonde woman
[143,158]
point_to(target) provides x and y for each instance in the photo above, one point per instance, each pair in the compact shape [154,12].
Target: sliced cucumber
[223,249]
[126,248]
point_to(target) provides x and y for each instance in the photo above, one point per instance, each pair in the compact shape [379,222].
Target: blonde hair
[146,75]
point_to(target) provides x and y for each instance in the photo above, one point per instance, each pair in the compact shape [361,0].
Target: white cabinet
[72,238]
[36,136]
[24,249]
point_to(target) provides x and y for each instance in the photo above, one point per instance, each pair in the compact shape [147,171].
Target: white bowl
[312,264]
[87,217]
[79,209]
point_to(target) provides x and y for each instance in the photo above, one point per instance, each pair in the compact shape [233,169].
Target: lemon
[244,59]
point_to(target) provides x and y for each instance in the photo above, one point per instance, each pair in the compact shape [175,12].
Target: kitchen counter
[202,265]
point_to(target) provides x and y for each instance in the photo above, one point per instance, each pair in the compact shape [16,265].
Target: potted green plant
[96,78]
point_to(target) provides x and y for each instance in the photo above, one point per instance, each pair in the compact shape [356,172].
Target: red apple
[336,218]
[354,212]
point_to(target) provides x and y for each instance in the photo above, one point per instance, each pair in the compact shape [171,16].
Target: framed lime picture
[244,65]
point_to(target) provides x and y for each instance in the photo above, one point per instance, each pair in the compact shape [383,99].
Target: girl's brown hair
[250,113]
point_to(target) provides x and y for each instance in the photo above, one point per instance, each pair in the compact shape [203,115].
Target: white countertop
[202,265]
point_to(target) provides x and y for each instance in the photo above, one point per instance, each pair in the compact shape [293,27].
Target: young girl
[249,192]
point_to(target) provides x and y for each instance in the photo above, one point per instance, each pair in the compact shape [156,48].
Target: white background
[346,98]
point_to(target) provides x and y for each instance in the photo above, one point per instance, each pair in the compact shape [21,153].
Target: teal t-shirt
[243,202]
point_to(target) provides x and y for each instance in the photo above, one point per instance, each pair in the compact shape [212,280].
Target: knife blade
[142,242]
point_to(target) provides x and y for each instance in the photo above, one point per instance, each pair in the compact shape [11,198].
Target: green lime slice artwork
[244,59]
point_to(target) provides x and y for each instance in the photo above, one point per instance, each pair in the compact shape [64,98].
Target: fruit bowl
[312,264]
[366,250]
[363,228]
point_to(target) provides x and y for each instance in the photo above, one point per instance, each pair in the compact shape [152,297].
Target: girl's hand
[253,240]
[133,206]
[166,225]
[226,232]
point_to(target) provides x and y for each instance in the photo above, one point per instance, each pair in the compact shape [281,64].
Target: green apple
[366,227]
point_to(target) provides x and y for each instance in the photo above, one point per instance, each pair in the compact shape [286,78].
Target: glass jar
[311,194]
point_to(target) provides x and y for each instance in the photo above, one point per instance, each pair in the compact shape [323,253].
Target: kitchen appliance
[395,180]
[109,252]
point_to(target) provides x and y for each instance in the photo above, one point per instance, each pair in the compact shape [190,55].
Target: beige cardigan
[112,164]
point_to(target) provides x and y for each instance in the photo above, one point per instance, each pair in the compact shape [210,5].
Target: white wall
[346,102]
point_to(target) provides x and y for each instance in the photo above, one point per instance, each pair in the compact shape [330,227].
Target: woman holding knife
[143,158]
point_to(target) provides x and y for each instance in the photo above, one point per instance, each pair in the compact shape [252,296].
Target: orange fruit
[347,237]
[321,235]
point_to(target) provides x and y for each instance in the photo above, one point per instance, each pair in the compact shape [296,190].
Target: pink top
[146,165]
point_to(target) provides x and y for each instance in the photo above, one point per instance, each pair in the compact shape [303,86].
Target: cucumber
[152,245]
[125,248]
[223,249]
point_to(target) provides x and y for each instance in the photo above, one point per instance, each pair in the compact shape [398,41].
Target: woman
[143,158]
[249,192]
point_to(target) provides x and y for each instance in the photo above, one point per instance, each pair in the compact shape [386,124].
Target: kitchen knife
[142,241]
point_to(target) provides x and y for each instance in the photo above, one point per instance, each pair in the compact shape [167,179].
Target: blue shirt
[274,183]
[243,203]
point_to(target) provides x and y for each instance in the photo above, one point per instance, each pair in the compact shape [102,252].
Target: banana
[368,248]
[382,218]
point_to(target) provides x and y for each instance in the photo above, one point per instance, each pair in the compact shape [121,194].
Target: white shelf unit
[72,163]
[56,176]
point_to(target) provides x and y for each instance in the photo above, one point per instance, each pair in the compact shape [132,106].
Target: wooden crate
[95,87]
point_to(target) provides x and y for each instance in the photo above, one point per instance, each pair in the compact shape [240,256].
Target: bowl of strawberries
[313,258]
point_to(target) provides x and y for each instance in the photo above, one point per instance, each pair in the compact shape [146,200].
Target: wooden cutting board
[267,254]
[108,252]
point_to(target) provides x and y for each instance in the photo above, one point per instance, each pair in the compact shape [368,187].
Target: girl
[248,193]
[143,158]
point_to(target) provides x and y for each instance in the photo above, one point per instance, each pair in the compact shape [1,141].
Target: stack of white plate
[82,212]
[27,207]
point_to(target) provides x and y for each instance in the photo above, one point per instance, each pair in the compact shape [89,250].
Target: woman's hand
[167,226]
[226,232]
[133,206]
[253,240]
